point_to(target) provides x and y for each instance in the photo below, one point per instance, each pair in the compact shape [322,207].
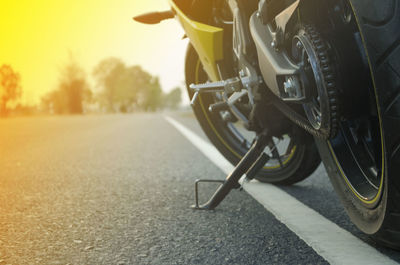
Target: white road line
[334,244]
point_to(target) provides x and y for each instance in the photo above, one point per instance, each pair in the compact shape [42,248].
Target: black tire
[379,24]
[303,162]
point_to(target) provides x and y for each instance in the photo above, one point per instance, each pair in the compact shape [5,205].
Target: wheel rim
[358,147]
[359,153]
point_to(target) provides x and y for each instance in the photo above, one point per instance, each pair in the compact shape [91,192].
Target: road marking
[333,243]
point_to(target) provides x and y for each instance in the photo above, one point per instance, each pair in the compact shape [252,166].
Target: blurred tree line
[10,87]
[118,88]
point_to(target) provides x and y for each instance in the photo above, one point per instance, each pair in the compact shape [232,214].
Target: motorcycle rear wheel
[300,163]
[376,213]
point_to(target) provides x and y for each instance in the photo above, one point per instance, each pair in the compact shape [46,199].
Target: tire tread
[379,22]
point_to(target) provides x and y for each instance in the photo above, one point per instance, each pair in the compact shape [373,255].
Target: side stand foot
[251,164]
[196,191]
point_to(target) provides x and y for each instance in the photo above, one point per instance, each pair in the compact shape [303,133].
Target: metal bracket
[196,189]
[275,66]
[250,164]
[230,86]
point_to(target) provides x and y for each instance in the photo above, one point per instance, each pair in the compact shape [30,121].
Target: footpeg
[229,86]
[250,165]
[219,106]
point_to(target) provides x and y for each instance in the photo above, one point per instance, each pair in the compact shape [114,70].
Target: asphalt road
[117,189]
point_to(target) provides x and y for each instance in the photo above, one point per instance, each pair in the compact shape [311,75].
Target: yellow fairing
[206,40]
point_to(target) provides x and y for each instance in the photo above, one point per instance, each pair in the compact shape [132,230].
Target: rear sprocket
[317,71]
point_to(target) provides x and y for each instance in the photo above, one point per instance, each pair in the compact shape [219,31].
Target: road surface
[116,189]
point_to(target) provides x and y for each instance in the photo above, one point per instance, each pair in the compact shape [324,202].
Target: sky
[37,38]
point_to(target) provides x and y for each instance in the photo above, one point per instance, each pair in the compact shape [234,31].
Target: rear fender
[207,40]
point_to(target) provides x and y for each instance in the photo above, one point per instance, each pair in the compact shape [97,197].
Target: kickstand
[251,163]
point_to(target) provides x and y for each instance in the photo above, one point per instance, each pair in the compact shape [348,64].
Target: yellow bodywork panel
[206,40]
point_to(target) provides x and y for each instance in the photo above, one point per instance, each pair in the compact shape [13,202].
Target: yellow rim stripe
[380,127]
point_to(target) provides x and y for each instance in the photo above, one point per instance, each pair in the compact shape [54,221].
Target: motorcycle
[279,85]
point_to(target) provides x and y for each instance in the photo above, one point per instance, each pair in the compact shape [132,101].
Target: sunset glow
[38,36]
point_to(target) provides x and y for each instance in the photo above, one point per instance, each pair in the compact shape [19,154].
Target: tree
[152,94]
[72,85]
[108,74]
[54,102]
[73,90]
[10,88]
[173,98]
[126,87]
